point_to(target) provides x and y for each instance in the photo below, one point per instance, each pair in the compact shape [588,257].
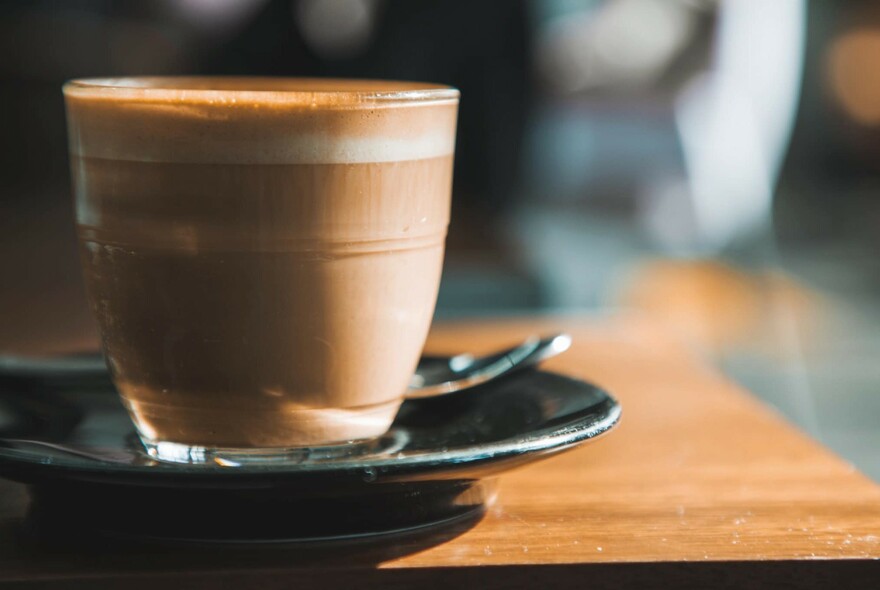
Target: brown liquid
[262,303]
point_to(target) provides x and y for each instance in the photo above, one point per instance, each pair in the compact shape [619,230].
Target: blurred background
[712,165]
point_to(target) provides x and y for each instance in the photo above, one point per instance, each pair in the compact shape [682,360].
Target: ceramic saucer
[77,450]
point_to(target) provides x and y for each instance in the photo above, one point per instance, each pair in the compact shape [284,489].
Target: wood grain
[700,484]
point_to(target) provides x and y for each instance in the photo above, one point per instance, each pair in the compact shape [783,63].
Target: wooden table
[701,486]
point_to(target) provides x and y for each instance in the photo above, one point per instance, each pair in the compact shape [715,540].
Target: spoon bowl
[465,371]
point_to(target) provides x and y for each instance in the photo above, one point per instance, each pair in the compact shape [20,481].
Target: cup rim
[231,90]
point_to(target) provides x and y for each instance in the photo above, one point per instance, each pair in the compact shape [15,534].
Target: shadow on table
[30,549]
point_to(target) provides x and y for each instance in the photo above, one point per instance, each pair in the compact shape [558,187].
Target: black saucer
[76,448]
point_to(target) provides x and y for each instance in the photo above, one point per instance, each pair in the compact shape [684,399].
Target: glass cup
[262,255]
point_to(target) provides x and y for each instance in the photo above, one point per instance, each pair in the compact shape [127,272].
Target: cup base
[172,452]
[181,433]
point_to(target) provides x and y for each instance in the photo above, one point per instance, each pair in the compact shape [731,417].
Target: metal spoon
[465,371]
[431,379]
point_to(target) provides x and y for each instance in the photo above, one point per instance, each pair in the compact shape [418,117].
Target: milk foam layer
[282,122]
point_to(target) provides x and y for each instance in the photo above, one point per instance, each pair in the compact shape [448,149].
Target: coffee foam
[290,149]
[238,127]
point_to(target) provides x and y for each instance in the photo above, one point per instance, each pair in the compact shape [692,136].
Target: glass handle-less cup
[262,255]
